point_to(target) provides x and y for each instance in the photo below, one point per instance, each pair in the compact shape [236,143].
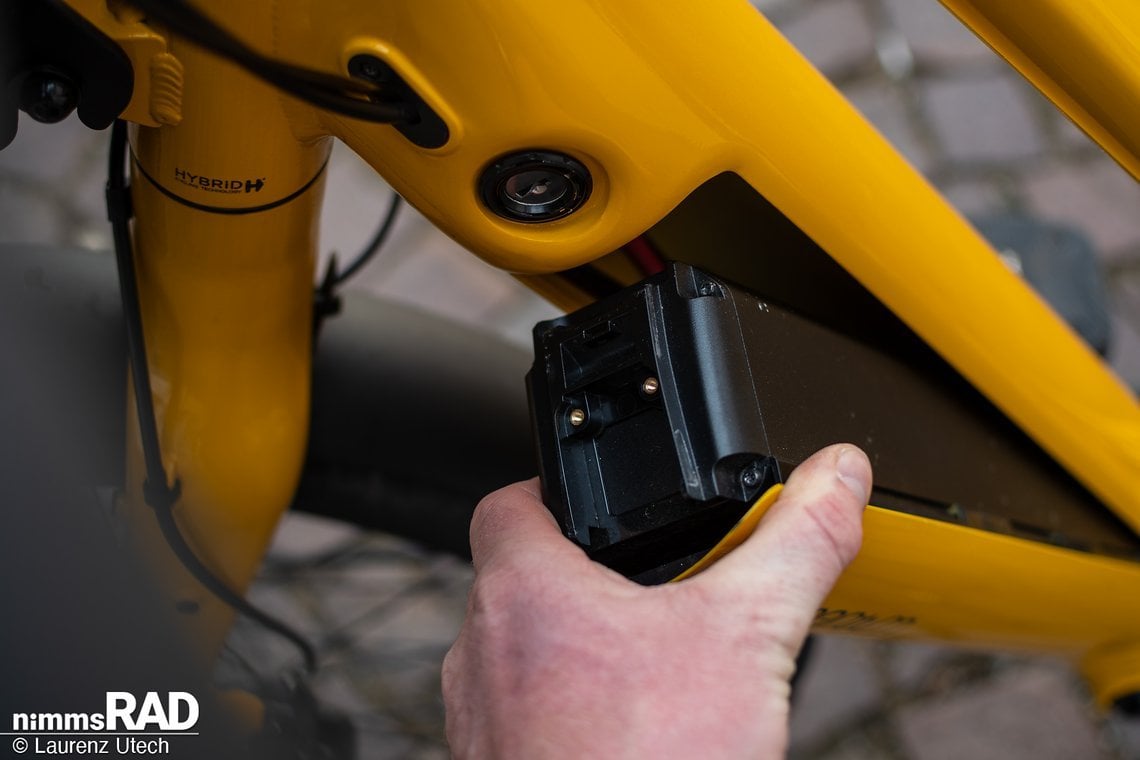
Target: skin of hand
[561,657]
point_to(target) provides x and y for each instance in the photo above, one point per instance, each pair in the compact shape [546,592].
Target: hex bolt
[369,70]
[369,67]
[750,478]
[48,96]
[577,417]
[650,386]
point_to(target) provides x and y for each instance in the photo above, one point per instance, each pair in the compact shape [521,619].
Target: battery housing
[663,411]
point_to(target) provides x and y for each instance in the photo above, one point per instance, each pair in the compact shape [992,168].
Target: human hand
[562,657]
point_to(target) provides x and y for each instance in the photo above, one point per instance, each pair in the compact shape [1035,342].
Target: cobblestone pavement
[385,611]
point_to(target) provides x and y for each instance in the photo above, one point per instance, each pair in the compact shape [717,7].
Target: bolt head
[752,475]
[368,67]
[650,386]
[48,96]
[577,417]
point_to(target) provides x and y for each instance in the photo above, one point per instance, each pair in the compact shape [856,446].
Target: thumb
[813,531]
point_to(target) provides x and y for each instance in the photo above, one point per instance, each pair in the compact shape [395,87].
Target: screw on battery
[577,417]
[650,386]
[752,475]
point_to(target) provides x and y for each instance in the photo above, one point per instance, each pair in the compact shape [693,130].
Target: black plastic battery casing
[662,411]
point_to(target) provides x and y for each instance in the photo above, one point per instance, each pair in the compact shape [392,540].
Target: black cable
[119,211]
[348,97]
[224,593]
[156,491]
[326,301]
[375,244]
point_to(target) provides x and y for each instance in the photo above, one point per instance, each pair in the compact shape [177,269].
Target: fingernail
[853,469]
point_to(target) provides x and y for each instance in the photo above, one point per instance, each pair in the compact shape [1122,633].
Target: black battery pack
[663,411]
[650,437]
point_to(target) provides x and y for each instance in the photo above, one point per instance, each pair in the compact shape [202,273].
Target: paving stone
[92,237]
[425,619]
[400,684]
[911,664]
[975,197]
[856,747]
[419,264]
[1031,712]
[337,692]
[387,741]
[983,120]
[770,7]
[50,151]
[935,36]
[1068,136]
[61,165]
[1125,287]
[358,577]
[86,201]
[29,217]
[354,601]
[896,58]
[79,195]
[1122,734]
[884,107]
[378,735]
[444,278]
[355,201]
[1124,349]
[363,596]
[1096,196]
[834,35]
[283,601]
[839,684]
[382,632]
[403,673]
[302,537]
[514,319]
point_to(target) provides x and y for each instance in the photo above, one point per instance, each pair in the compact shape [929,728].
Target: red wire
[644,255]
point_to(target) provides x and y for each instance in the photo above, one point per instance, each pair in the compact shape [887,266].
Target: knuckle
[485,511]
[499,590]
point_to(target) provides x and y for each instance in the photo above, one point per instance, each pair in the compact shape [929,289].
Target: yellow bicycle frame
[654,99]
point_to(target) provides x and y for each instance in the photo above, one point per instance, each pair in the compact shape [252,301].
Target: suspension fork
[226,209]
